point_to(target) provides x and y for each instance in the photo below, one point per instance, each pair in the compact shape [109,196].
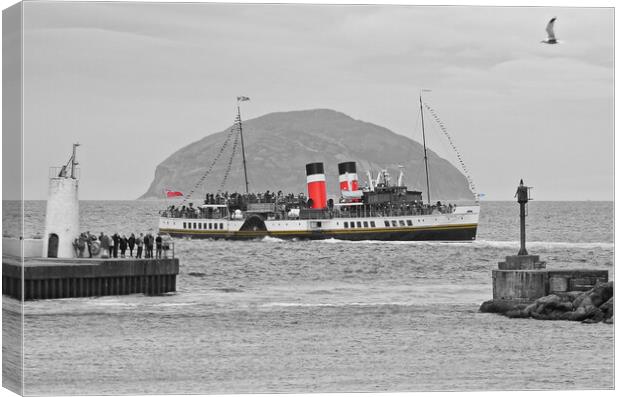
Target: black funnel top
[314,168]
[345,167]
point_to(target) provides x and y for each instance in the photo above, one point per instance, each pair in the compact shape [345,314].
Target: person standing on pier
[132,243]
[81,245]
[116,239]
[105,245]
[89,245]
[75,247]
[166,241]
[148,245]
[158,244]
[139,243]
[123,245]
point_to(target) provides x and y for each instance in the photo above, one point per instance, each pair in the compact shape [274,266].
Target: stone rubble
[593,306]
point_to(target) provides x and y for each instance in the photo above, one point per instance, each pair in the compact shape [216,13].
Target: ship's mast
[245,170]
[428,189]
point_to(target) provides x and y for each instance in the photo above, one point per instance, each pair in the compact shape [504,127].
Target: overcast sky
[135,82]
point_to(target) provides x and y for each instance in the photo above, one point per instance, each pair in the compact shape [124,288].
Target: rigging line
[417,125]
[445,132]
[230,160]
[215,160]
[442,148]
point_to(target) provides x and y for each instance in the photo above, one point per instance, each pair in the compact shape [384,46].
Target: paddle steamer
[379,211]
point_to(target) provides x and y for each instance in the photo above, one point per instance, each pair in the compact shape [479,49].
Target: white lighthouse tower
[62,221]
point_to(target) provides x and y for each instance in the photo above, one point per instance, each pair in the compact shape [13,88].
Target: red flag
[172,193]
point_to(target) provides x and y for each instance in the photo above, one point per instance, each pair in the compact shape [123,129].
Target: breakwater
[47,278]
[523,287]
[592,306]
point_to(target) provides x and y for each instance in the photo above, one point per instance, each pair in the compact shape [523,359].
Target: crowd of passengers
[286,202]
[236,201]
[254,198]
[405,208]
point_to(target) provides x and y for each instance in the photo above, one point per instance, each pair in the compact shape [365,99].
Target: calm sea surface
[299,316]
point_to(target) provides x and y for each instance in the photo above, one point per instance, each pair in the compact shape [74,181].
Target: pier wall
[13,246]
[45,278]
[529,285]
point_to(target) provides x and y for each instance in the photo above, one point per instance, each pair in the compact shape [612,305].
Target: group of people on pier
[88,245]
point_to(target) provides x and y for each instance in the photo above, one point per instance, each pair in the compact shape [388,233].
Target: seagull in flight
[550,35]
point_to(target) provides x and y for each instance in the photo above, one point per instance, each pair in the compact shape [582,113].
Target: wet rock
[598,295]
[592,306]
[497,306]
[608,308]
[594,316]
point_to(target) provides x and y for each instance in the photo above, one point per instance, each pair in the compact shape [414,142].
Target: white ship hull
[460,225]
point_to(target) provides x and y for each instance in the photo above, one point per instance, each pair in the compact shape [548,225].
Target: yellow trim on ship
[326,231]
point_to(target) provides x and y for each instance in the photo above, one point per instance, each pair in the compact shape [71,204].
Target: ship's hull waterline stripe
[319,231]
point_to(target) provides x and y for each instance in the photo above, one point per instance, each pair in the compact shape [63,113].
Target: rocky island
[278,145]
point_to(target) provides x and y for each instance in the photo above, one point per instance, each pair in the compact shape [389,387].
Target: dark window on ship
[184,225]
[359,224]
[409,223]
[372,223]
[346,224]
[204,226]
[401,222]
[221,226]
[200,226]
[352,224]
[365,224]
[194,225]
[387,223]
[394,223]
[215,225]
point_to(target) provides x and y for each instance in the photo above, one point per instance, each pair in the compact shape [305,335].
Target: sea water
[300,316]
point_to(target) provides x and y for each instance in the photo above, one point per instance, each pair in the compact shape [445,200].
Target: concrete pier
[50,278]
[523,279]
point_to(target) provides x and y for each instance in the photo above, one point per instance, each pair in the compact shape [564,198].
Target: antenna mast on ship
[428,189]
[245,170]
